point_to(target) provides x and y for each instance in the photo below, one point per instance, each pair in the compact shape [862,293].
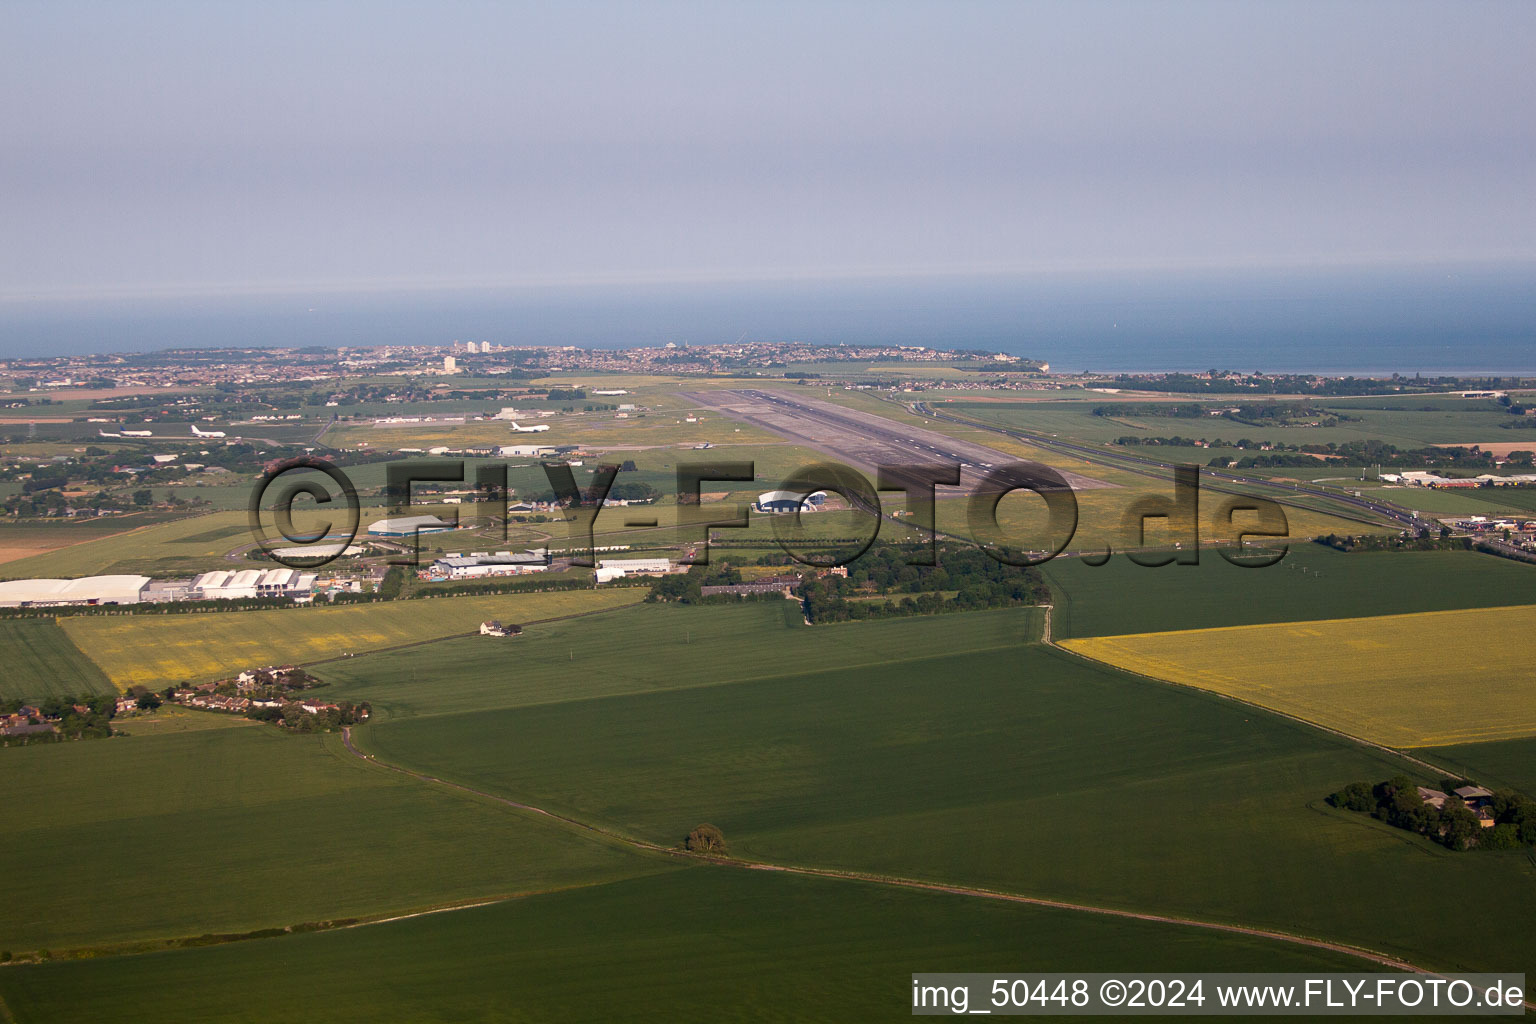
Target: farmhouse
[210,702]
[495,628]
[1433,797]
[1474,796]
[9,726]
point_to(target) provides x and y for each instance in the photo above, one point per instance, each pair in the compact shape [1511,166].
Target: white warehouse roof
[408,524]
[318,550]
[769,497]
[500,558]
[86,590]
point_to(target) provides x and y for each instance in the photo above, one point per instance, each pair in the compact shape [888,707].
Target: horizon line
[666,278]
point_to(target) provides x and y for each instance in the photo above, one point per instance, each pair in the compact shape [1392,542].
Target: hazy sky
[158,147]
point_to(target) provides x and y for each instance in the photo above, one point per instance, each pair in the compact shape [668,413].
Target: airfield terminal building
[789,501]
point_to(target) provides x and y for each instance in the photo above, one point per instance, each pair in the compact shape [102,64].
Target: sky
[161,149]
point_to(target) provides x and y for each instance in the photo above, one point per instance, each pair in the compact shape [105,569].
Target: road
[1163,470]
[868,440]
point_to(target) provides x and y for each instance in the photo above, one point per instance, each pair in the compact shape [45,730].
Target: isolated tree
[705,839]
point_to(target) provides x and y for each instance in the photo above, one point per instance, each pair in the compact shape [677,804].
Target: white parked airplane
[206,433]
[536,428]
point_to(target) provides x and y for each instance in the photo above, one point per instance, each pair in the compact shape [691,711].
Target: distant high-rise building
[450,364]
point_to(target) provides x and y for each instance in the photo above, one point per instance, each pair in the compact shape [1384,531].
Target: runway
[861,439]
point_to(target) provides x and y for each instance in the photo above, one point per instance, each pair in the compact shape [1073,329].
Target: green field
[711,943]
[1409,426]
[1019,769]
[1499,764]
[193,544]
[40,661]
[1311,582]
[1484,501]
[1522,499]
[1481,501]
[687,647]
[157,650]
[230,829]
[30,538]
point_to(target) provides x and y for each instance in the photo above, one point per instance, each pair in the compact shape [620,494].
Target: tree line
[965,579]
[1454,825]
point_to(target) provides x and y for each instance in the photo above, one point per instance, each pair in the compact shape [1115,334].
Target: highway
[1163,470]
[870,440]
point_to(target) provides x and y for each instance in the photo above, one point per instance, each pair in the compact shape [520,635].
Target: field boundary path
[896,881]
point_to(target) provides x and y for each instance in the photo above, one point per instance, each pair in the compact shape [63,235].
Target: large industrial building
[408,526]
[478,564]
[789,501]
[86,590]
[617,568]
[223,585]
[336,550]
[510,451]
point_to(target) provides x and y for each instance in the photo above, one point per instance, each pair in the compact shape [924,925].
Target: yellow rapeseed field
[1429,678]
[159,650]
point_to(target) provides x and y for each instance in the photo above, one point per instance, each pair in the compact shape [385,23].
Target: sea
[1427,319]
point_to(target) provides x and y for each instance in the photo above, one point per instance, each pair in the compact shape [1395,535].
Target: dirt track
[609,835]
